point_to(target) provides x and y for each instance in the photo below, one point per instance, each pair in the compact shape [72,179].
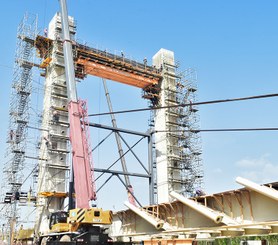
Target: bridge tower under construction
[176,161]
[54,163]
[177,146]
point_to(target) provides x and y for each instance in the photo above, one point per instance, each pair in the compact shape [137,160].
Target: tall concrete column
[164,59]
[53,170]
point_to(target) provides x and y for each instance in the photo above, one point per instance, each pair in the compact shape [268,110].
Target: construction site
[50,183]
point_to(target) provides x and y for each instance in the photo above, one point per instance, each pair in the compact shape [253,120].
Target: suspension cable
[187,104]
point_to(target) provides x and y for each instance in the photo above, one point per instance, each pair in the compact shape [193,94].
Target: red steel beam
[129,78]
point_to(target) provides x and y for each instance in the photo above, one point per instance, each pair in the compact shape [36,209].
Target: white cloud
[253,163]
[259,170]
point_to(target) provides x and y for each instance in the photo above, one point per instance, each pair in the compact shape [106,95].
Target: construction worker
[55,116]
[200,192]
[123,55]
[11,135]
[145,62]
[190,106]
[47,143]
[45,32]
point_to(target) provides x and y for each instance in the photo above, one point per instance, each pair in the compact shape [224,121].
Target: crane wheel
[43,241]
[65,238]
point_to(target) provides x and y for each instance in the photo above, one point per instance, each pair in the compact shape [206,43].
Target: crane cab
[58,221]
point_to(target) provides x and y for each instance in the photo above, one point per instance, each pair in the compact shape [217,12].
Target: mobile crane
[82,223]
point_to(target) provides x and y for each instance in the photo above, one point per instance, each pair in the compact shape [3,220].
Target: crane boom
[83,183]
[81,165]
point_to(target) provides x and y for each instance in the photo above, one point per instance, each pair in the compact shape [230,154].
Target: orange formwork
[91,61]
[53,194]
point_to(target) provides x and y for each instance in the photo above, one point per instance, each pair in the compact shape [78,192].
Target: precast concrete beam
[209,213]
[264,190]
[157,223]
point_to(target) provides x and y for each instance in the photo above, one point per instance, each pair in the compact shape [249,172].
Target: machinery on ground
[78,226]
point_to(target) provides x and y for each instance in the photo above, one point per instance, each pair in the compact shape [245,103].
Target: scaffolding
[19,115]
[182,124]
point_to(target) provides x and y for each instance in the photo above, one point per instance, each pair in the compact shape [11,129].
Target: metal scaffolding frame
[184,152]
[193,152]
[19,115]
[185,170]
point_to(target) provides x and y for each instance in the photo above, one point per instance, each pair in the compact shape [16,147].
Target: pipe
[216,217]
[264,190]
[158,224]
[114,124]
[130,191]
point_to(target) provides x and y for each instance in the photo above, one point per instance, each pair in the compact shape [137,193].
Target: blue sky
[232,45]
